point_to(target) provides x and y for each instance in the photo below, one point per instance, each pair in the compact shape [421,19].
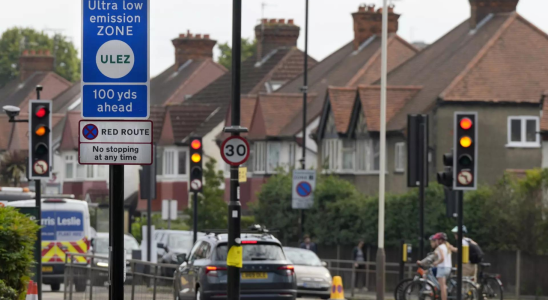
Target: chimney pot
[189,35]
[206,36]
[482,8]
[40,52]
[181,35]
[192,48]
[361,8]
[32,52]
[272,21]
[25,52]
[368,23]
[371,8]
[47,53]
[198,36]
[264,21]
[291,22]
[281,21]
[391,8]
[30,64]
[379,10]
[276,35]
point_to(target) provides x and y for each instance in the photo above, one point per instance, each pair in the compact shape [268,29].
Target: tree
[15,40]
[248,49]
[212,209]
[13,167]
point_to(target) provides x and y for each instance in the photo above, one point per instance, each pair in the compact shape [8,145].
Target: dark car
[175,243]
[313,278]
[266,272]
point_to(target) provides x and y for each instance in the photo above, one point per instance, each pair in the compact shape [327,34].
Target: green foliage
[13,166]
[15,40]
[158,223]
[17,238]
[248,49]
[212,209]
[507,216]
[6,292]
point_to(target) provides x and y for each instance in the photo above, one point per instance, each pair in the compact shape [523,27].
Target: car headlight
[102,264]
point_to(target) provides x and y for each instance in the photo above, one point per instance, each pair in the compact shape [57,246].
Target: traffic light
[466,151]
[417,149]
[196,156]
[40,154]
[445,177]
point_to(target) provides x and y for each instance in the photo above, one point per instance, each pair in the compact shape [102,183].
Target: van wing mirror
[181,258]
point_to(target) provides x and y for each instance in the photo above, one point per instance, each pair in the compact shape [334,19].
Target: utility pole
[117,257]
[38,193]
[381,257]
[305,96]
[234,260]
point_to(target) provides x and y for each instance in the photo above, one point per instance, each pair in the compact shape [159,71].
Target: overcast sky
[330,20]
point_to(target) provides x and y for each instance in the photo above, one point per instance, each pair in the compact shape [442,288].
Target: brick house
[489,64]
[192,70]
[276,125]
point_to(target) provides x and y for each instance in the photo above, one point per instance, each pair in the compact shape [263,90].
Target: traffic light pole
[459,243]
[195,217]
[305,96]
[422,176]
[38,193]
[234,206]
[117,257]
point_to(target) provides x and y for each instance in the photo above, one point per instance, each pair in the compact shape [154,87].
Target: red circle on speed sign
[235,150]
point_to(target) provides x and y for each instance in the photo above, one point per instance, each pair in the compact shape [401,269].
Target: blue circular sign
[304,189]
[90,132]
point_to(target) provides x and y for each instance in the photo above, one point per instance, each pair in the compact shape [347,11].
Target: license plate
[254,275]
[311,285]
[48,269]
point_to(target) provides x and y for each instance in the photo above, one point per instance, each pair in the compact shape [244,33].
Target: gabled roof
[273,112]
[247,108]
[63,101]
[173,85]
[497,62]
[279,63]
[341,103]
[69,139]
[184,118]
[346,67]
[396,98]
[18,92]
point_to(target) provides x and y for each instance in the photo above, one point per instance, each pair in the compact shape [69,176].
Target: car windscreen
[253,252]
[180,241]
[100,245]
[303,257]
[130,244]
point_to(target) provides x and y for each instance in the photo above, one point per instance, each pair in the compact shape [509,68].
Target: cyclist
[443,263]
[468,269]
[428,262]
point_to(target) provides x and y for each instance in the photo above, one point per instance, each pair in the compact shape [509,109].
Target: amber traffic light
[196,172]
[466,151]
[40,156]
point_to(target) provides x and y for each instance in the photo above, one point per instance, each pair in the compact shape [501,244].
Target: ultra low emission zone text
[121,18]
[120,150]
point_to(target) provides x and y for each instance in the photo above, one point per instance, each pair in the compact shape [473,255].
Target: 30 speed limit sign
[235,150]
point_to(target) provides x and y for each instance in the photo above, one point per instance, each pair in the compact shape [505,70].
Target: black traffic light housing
[466,151]
[196,158]
[445,177]
[417,146]
[40,152]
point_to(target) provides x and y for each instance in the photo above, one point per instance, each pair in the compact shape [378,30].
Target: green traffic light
[465,160]
[41,149]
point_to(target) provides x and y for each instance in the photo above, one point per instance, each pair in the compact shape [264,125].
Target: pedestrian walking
[359,265]
[475,254]
[308,244]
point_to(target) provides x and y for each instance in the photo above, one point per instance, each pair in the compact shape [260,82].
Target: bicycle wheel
[469,291]
[420,290]
[492,289]
[400,289]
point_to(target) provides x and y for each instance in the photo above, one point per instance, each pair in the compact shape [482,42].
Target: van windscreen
[62,225]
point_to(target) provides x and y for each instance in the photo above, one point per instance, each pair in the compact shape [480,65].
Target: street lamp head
[39,88]
[11,111]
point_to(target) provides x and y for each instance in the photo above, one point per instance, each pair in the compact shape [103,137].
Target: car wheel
[55,287]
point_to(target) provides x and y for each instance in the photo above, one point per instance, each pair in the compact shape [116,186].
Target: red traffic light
[196,144]
[41,112]
[466,123]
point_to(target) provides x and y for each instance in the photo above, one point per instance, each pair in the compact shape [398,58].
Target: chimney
[275,33]
[33,61]
[482,8]
[191,46]
[368,22]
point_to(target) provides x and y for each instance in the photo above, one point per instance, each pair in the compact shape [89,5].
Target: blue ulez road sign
[115,59]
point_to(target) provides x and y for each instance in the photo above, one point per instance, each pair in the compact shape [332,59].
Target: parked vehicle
[313,278]
[173,243]
[65,228]
[100,247]
[266,272]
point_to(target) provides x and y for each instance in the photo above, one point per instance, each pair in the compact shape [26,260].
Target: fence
[144,280]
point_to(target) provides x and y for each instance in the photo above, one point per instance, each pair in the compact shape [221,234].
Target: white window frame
[292,154]
[523,143]
[269,167]
[91,172]
[173,165]
[351,150]
[69,158]
[330,152]
[260,157]
[399,159]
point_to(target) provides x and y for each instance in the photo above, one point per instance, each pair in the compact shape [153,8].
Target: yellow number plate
[47,269]
[254,275]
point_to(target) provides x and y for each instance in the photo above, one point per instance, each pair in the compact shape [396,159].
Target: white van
[65,228]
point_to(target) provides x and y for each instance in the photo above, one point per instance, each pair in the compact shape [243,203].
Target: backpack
[475,253]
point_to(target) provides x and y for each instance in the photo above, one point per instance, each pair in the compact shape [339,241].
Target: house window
[159,161]
[400,157]
[69,166]
[330,151]
[174,162]
[348,154]
[273,156]
[89,171]
[523,131]
[80,171]
[260,156]
[368,151]
[292,154]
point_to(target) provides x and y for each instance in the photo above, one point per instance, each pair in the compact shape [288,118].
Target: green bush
[6,292]
[17,238]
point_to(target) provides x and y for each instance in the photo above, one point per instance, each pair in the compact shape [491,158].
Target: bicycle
[489,285]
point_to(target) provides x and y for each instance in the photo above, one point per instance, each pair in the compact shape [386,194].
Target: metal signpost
[169,211]
[304,182]
[115,85]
